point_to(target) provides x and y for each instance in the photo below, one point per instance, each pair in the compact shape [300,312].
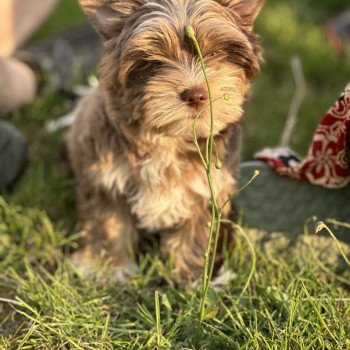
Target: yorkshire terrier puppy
[131,146]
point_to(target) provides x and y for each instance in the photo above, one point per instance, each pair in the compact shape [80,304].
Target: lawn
[284,293]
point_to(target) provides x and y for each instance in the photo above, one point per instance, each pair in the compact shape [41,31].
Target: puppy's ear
[108,16]
[247,10]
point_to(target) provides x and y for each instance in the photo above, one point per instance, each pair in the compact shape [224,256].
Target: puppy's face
[152,69]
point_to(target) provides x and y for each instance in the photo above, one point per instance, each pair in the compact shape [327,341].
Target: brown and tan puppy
[131,147]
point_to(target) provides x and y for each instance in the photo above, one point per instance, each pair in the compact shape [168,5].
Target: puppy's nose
[194,97]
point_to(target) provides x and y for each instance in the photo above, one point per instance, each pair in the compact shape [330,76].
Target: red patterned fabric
[328,160]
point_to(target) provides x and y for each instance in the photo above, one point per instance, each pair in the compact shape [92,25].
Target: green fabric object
[274,203]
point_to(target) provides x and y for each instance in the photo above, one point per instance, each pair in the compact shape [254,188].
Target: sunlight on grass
[297,299]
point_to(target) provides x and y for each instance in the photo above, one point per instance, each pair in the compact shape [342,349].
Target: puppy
[131,146]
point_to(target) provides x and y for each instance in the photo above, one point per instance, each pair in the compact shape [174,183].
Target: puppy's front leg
[108,232]
[186,244]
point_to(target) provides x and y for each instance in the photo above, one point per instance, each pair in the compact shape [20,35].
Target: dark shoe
[13,155]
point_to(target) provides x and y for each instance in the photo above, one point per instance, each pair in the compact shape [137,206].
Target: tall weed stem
[210,254]
[216,211]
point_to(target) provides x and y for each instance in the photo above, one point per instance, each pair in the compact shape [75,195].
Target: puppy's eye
[158,63]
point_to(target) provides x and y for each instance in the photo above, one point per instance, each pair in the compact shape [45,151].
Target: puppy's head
[152,71]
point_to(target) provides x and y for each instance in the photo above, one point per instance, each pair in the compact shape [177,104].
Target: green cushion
[278,204]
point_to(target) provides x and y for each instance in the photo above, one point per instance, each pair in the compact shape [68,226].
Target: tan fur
[131,146]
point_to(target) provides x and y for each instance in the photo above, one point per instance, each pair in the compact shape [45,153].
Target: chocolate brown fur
[131,146]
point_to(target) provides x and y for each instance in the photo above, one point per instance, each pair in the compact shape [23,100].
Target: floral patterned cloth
[328,160]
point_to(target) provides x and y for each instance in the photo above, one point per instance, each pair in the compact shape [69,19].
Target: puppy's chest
[162,190]
[162,194]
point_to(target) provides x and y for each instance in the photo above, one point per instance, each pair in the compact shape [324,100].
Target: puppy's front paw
[90,265]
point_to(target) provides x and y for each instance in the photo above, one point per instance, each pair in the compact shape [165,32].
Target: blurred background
[288,28]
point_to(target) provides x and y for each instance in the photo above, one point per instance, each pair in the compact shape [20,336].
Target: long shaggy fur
[131,146]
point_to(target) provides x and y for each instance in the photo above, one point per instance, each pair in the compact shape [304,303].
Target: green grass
[298,299]
[298,296]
